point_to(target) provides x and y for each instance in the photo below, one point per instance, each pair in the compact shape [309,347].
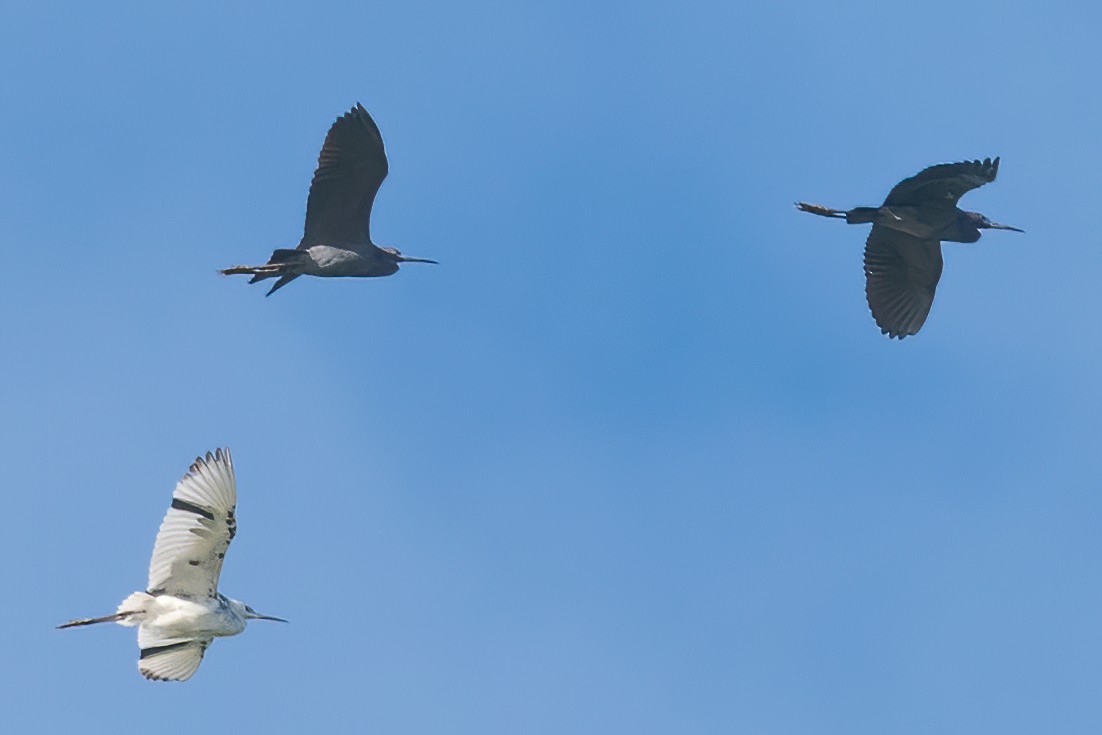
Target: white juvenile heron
[182,610]
[337,238]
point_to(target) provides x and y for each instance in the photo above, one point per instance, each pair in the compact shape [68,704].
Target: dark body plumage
[337,237]
[903,252]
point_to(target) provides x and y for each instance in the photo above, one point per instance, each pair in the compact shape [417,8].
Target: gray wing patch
[351,168]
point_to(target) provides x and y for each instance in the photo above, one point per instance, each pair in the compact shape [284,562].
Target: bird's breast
[179,617]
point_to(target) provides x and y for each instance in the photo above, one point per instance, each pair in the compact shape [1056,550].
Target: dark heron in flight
[903,252]
[337,240]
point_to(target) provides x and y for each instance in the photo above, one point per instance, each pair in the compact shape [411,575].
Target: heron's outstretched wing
[901,275]
[351,167]
[944,183]
[169,659]
[197,530]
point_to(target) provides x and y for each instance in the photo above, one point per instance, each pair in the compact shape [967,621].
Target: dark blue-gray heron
[337,237]
[903,252]
[182,611]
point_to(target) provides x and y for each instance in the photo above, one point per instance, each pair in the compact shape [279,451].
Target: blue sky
[634,458]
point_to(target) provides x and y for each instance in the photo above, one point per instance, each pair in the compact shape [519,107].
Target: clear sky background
[634,458]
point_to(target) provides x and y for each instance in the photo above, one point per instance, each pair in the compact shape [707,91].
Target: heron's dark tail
[285,263]
[861,215]
[283,281]
[854,216]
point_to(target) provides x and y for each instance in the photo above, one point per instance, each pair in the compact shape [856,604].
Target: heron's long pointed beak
[269,617]
[407,259]
[997,226]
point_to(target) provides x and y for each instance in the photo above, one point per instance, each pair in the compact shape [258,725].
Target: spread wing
[945,183]
[169,659]
[351,167]
[197,530]
[901,275]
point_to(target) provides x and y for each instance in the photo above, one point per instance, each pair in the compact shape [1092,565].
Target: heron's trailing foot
[820,210]
[270,269]
[113,618]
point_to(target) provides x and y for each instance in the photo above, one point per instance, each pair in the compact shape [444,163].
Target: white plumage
[181,611]
[197,530]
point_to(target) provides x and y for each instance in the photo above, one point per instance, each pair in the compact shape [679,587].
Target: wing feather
[197,530]
[351,168]
[944,183]
[901,275]
[171,659]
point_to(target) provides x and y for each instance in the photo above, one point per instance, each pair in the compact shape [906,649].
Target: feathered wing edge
[946,182]
[197,529]
[901,276]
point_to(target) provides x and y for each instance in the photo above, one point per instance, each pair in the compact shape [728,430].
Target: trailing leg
[112,618]
[131,611]
[264,271]
[286,263]
[820,210]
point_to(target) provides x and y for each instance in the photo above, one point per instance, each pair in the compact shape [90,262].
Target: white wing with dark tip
[196,531]
[174,660]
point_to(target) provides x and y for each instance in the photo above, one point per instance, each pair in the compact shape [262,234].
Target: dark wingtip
[895,335]
[992,165]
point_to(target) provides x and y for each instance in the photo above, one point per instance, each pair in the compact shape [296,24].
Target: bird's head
[247,612]
[981,222]
[396,254]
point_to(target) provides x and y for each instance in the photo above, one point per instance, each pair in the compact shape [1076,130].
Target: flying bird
[182,611]
[903,252]
[337,238]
